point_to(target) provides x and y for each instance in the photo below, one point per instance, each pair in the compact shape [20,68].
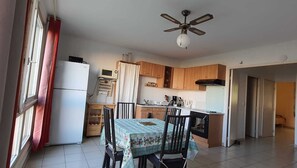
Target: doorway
[259,95]
[251,106]
[285,105]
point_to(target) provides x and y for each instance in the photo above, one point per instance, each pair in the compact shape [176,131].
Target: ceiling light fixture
[183,40]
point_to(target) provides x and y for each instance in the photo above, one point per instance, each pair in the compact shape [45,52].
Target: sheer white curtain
[127,83]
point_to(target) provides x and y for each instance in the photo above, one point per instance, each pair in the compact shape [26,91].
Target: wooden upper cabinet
[158,71]
[146,68]
[178,75]
[216,71]
[221,72]
[151,69]
[182,78]
[191,76]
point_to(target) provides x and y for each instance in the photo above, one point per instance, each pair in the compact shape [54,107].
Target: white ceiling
[137,25]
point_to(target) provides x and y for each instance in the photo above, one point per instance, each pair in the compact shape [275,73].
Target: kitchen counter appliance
[199,125]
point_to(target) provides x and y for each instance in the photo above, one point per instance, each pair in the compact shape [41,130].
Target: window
[30,81]
[27,125]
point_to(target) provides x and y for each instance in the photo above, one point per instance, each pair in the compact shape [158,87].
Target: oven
[199,124]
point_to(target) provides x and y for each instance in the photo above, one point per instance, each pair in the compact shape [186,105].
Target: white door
[67,118]
[268,108]
[71,75]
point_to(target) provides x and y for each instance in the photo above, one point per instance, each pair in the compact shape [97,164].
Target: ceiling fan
[183,39]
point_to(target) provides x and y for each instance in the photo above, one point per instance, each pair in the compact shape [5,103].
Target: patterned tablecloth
[137,139]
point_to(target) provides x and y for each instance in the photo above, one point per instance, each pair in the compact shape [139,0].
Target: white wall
[197,97]
[12,30]
[101,55]
[151,93]
[264,55]
[214,97]
[6,21]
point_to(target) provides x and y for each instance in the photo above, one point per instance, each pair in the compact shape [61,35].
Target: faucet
[146,101]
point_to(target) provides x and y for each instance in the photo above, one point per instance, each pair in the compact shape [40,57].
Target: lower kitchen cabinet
[154,112]
[95,120]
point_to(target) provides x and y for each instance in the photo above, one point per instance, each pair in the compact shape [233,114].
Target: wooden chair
[125,108]
[172,111]
[111,150]
[174,150]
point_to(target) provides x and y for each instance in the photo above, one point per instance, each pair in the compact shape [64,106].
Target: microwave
[108,74]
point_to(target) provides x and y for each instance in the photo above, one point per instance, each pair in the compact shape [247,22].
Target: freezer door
[67,118]
[71,75]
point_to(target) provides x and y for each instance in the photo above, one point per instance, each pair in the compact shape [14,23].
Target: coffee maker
[174,100]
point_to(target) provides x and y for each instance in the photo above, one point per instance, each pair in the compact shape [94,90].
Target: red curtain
[45,94]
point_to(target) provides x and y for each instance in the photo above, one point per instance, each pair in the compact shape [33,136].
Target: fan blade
[164,15]
[201,19]
[196,31]
[172,29]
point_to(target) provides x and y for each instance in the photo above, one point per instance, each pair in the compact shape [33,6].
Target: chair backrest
[178,141]
[124,109]
[110,138]
[172,111]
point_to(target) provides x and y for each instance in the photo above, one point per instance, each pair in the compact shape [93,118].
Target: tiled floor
[273,152]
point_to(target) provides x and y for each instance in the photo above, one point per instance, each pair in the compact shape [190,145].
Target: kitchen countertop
[154,105]
[183,108]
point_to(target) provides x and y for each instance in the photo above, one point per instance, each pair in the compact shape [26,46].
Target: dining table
[141,137]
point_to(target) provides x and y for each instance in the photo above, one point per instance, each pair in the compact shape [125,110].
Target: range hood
[211,82]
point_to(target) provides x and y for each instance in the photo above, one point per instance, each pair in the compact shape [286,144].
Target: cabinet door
[178,78]
[158,70]
[216,71]
[190,77]
[159,113]
[221,72]
[142,112]
[209,72]
[145,68]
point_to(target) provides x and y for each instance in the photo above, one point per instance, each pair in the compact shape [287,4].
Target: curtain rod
[54,4]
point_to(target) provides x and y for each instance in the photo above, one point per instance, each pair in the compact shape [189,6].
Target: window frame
[26,102]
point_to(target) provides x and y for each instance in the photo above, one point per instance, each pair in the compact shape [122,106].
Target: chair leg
[113,163]
[142,162]
[105,160]
[121,163]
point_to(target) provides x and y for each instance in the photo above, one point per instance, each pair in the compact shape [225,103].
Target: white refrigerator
[69,101]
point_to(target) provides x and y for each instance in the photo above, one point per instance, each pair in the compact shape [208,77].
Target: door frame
[226,141]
